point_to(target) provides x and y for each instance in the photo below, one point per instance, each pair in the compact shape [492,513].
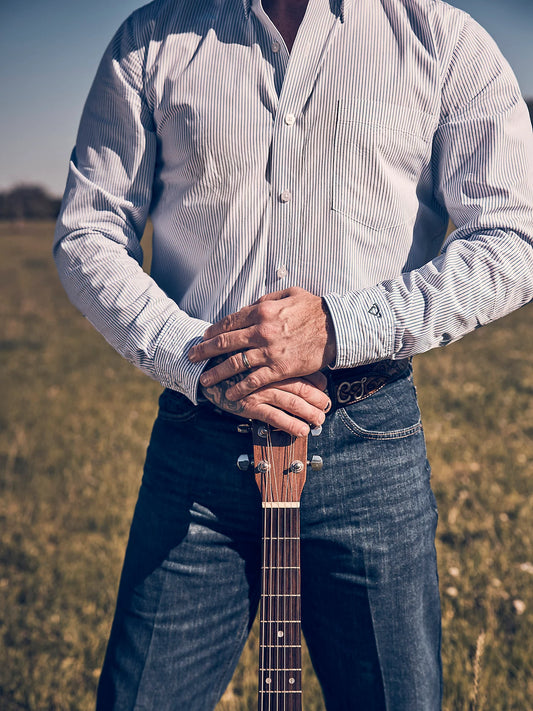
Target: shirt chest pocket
[381,151]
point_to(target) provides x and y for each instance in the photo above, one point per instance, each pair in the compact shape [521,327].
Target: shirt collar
[337,6]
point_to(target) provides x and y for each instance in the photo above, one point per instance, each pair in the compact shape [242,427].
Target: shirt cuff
[364,327]
[173,369]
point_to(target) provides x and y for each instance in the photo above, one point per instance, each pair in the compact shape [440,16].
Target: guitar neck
[280,646]
[280,468]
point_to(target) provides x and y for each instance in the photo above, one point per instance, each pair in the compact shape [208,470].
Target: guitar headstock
[280,464]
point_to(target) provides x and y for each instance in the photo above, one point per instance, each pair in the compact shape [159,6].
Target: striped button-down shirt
[334,168]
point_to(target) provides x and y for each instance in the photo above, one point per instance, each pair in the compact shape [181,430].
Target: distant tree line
[31,202]
[28,202]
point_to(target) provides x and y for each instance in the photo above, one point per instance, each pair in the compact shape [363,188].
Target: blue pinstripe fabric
[334,169]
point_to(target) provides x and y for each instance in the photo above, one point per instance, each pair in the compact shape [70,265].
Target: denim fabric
[190,585]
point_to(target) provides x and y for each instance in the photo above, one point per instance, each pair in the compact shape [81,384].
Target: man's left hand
[286,334]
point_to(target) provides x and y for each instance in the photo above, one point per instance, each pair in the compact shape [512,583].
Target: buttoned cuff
[364,327]
[172,367]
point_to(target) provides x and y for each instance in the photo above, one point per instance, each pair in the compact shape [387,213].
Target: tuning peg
[316,463]
[244,428]
[316,431]
[243,462]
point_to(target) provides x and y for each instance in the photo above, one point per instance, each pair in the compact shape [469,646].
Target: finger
[279,419]
[228,368]
[232,322]
[218,345]
[253,381]
[318,379]
[274,296]
[293,404]
[310,393]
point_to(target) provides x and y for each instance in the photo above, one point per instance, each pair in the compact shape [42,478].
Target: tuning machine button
[316,431]
[243,462]
[316,463]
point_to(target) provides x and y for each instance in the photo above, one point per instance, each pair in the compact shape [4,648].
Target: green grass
[75,420]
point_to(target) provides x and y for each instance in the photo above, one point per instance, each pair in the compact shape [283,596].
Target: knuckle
[227,322]
[293,403]
[266,309]
[283,368]
[251,402]
[235,361]
[263,331]
[221,341]
[253,381]
[305,390]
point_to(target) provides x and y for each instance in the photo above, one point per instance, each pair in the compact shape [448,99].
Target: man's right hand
[288,405]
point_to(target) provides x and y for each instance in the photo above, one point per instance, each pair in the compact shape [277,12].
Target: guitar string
[263,603]
[287,562]
[283,556]
[273,497]
[293,554]
[269,512]
[288,545]
[263,590]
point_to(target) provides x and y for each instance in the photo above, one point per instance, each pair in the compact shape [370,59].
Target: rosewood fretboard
[280,466]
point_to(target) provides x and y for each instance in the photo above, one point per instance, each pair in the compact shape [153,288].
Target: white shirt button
[275,46]
[290,119]
[285,196]
[282,272]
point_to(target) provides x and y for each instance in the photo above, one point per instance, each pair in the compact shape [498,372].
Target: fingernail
[204,379]
[303,432]
[328,407]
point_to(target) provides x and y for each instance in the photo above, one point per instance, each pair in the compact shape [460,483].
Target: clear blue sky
[49,51]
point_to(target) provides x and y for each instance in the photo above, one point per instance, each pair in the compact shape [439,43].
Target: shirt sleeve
[483,176]
[103,215]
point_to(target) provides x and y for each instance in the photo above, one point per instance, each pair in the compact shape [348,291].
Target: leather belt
[350,385]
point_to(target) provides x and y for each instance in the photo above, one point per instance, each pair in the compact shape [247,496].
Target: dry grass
[75,422]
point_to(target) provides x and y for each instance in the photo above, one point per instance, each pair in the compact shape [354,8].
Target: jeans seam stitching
[378,435]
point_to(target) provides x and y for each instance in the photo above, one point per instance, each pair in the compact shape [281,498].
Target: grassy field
[75,420]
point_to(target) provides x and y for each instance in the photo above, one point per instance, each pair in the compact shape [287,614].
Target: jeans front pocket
[391,413]
[381,151]
[175,407]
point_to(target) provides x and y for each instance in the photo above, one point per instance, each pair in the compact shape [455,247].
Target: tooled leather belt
[350,385]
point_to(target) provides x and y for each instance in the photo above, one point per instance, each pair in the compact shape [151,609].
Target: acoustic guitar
[280,465]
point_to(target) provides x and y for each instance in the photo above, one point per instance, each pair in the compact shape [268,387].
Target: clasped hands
[287,337]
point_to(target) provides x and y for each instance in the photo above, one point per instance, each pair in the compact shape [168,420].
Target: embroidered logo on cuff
[374,310]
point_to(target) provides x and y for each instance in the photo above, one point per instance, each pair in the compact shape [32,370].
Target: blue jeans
[190,584]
